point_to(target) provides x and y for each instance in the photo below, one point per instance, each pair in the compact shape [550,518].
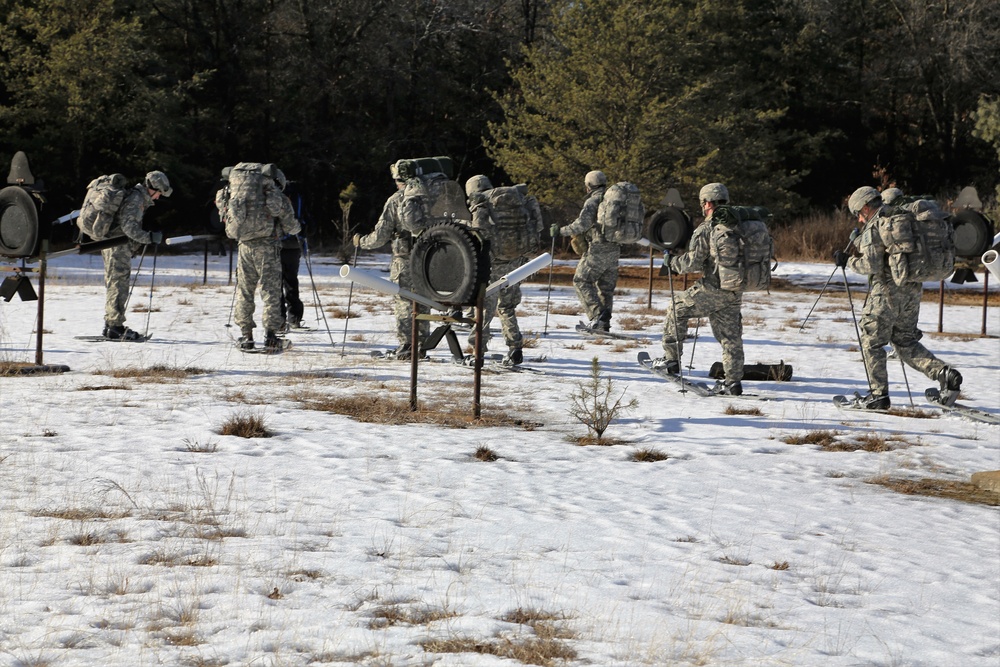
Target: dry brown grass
[939,488]
[565,309]
[831,441]
[813,237]
[383,409]
[648,455]
[782,565]
[245,424]
[545,647]
[752,412]
[398,613]
[485,454]
[105,387]
[155,373]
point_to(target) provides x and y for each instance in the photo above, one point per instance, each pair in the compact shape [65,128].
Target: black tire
[448,263]
[18,223]
[973,233]
[670,227]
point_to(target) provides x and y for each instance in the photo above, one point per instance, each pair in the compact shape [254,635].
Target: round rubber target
[18,223]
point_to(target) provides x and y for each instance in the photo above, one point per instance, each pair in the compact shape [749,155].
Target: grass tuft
[939,488]
[734,410]
[648,455]
[246,424]
[486,454]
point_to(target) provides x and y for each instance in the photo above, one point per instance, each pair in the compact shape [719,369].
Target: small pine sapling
[596,402]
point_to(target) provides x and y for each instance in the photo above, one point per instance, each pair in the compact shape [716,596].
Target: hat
[890,195]
[477,183]
[861,198]
[157,180]
[595,179]
[714,192]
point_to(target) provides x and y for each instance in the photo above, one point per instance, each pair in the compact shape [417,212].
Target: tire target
[670,227]
[19,232]
[448,263]
[973,233]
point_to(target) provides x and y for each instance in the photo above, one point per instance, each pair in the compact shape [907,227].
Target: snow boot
[515,357]
[671,366]
[246,341]
[729,388]
[272,343]
[950,381]
[120,332]
[874,401]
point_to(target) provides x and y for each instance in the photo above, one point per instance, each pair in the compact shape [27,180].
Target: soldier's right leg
[247,277]
[585,284]
[117,268]
[876,327]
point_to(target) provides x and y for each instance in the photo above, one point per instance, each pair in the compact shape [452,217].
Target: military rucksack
[440,200]
[920,241]
[105,195]
[245,210]
[621,213]
[512,238]
[742,248]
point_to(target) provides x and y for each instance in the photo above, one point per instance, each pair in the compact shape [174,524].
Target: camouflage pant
[723,311]
[595,279]
[890,316]
[504,303]
[117,268]
[399,273]
[259,264]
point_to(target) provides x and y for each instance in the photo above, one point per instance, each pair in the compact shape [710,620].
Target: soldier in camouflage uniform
[891,311]
[396,215]
[597,271]
[118,260]
[705,298]
[259,260]
[505,302]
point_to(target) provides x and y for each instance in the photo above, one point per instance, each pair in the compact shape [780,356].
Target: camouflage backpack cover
[105,195]
[513,238]
[432,198]
[246,214]
[621,213]
[742,248]
[920,241]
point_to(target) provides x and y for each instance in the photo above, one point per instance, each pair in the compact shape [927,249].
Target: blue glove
[840,258]
[156,238]
[554,231]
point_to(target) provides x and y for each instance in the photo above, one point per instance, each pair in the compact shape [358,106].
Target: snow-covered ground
[133,533]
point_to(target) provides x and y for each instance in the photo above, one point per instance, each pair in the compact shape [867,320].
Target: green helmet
[714,192]
[157,180]
[595,179]
[225,174]
[861,198]
[890,195]
[477,183]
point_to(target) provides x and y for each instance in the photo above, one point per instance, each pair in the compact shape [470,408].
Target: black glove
[156,238]
[840,258]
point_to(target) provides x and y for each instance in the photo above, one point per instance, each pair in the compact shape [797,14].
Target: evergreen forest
[791,103]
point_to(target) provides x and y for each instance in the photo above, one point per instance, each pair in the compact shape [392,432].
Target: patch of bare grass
[486,454]
[245,424]
[648,455]
[383,409]
[154,373]
[399,613]
[780,565]
[914,412]
[81,513]
[939,488]
[822,438]
[735,410]
[545,647]
[105,387]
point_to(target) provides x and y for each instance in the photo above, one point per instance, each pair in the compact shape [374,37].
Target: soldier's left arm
[130,215]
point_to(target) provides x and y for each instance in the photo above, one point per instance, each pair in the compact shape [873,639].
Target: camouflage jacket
[586,222]
[390,228]
[698,256]
[873,260]
[129,216]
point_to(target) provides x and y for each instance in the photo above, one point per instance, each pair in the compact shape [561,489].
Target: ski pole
[857,329]
[350,294]
[305,250]
[152,279]
[673,310]
[232,302]
[823,291]
[694,344]
[312,281]
[548,294]
[905,379]
[135,279]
